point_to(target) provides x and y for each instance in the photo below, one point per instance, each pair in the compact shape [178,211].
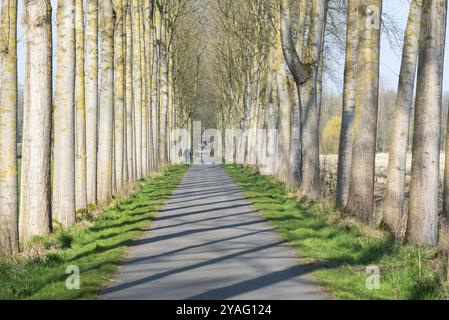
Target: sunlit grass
[340,252]
[96,250]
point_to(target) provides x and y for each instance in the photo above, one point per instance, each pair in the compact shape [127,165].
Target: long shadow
[196,246]
[194,231]
[189,194]
[186,268]
[202,220]
[250,285]
[198,205]
[206,196]
[209,210]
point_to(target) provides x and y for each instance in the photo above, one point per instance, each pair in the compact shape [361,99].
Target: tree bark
[310,115]
[423,213]
[91,81]
[64,113]
[306,82]
[9,232]
[283,122]
[349,95]
[143,67]
[129,97]
[119,95]
[104,165]
[149,79]
[137,89]
[80,112]
[361,190]
[394,216]
[35,196]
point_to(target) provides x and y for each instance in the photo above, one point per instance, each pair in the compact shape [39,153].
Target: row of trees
[130,70]
[107,121]
[270,58]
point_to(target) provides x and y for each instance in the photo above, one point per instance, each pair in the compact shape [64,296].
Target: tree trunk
[149,79]
[143,68]
[35,196]
[394,216]
[306,82]
[361,190]
[129,97]
[156,94]
[104,165]
[310,113]
[283,122]
[80,112]
[164,97]
[64,131]
[9,233]
[347,118]
[137,81]
[423,214]
[119,95]
[91,81]
[295,142]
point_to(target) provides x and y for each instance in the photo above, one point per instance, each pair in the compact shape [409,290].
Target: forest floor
[341,248]
[95,245]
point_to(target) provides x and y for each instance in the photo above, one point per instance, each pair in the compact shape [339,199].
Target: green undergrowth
[95,247]
[338,250]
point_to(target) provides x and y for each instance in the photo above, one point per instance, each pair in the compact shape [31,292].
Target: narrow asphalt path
[208,242]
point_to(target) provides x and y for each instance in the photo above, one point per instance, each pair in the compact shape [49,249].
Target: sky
[390,60]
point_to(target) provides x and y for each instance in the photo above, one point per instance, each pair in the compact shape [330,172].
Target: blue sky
[390,57]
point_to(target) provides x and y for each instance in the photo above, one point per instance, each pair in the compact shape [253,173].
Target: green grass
[338,252]
[97,250]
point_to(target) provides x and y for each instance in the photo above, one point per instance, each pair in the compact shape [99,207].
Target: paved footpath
[208,242]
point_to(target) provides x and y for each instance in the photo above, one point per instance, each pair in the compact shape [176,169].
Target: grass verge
[339,250]
[96,250]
